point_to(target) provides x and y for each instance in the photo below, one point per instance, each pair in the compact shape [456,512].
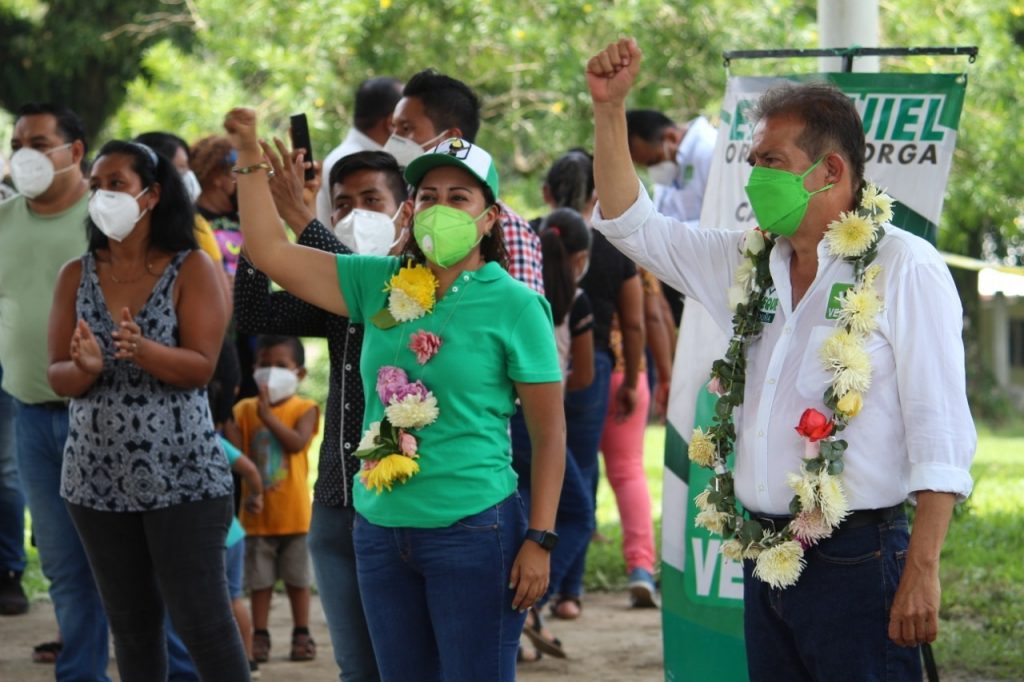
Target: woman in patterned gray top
[134,337]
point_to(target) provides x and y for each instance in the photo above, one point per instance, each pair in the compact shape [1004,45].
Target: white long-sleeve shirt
[915,431]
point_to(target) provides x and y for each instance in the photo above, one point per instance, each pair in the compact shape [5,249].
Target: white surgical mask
[281,383]
[192,187]
[115,213]
[663,173]
[367,233]
[405,150]
[33,171]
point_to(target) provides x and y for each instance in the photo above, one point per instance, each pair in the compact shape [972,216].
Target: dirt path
[609,643]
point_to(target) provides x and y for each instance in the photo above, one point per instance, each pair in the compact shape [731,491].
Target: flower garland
[388,449]
[819,504]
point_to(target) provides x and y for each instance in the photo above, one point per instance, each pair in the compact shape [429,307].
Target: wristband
[245,170]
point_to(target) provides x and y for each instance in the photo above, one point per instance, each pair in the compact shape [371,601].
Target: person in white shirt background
[375,102]
[870,592]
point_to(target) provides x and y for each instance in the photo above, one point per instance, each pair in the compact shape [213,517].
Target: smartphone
[300,140]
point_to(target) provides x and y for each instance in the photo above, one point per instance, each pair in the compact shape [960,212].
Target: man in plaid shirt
[435,107]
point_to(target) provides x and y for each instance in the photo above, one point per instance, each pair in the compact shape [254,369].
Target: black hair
[563,233]
[492,246]
[375,100]
[381,162]
[223,386]
[571,179]
[163,143]
[172,221]
[447,102]
[69,123]
[270,341]
[647,124]
[831,122]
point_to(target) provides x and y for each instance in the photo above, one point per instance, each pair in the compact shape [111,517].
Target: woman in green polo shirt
[447,561]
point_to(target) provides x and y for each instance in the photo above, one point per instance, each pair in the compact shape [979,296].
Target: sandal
[303,647]
[47,652]
[567,608]
[261,646]
[533,629]
[524,655]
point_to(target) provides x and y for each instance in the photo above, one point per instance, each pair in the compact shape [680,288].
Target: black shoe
[13,601]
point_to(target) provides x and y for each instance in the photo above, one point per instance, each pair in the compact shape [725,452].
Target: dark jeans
[833,624]
[173,556]
[12,500]
[575,520]
[585,412]
[437,599]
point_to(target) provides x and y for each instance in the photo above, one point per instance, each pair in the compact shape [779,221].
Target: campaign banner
[910,122]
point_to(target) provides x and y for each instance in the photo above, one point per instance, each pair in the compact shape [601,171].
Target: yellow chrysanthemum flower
[413,412]
[877,202]
[712,520]
[850,236]
[832,499]
[780,565]
[702,451]
[390,470]
[733,549]
[701,501]
[843,354]
[804,489]
[870,275]
[418,283]
[850,404]
[859,310]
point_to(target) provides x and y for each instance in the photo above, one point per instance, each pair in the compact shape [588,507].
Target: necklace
[819,504]
[131,280]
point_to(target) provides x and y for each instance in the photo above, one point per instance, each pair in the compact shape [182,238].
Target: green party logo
[835,303]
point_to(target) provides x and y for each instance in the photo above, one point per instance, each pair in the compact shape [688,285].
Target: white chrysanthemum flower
[733,549]
[404,307]
[803,486]
[701,501]
[832,499]
[744,275]
[753,242]
[860,309]
[878,202]
[412,412]
[702,450]
[738,296]
[369,440]
[809,526]
[844,355]
[712,520]
[752,551]
[780,565]
[850,236]
[870,275]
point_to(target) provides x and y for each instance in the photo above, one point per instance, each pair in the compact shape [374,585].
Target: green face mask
[779,199]
[446,235]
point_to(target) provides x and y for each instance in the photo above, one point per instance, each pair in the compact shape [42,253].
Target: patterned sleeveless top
[134,442]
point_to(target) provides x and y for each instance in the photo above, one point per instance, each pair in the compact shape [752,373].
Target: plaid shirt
[523,244]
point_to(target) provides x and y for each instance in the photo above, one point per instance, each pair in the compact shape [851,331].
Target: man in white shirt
[869,594]
[371,126]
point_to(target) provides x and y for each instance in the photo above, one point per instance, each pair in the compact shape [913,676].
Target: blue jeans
[40,434]
[437,599]
[334,563]
[168,559]
[12,501]
[585,412]
[575,520]
[833,624]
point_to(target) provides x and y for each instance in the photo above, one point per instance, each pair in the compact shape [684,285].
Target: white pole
[845,23]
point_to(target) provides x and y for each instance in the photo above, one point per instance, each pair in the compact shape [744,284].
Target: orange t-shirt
[286,504]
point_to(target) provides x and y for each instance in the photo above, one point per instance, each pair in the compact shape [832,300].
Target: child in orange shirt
[275,430]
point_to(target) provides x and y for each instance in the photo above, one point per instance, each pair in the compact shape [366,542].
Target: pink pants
[622,443]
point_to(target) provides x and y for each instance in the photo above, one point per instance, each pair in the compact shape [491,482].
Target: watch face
[546,539]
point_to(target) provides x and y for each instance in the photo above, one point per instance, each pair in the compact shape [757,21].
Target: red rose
[814,425]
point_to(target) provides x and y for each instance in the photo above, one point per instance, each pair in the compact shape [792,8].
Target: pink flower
[715,387]
[389,380]
[407,443]
[809,527]
[370,464]
[416,388]
[425,345]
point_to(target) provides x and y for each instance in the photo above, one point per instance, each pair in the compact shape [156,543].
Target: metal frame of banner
[848,54]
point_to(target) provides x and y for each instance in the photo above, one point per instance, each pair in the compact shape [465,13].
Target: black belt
[52,405]
[855,519]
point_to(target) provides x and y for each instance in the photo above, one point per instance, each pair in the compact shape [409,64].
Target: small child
[275,430]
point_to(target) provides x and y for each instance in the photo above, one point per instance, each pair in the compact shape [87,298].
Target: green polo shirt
[494,331]
[33,248]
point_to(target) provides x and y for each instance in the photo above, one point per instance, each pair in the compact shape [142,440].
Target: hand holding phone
[300,140]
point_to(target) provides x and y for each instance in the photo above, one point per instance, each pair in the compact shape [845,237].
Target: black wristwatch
[547,539]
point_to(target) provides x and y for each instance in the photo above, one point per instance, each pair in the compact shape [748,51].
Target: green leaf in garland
[835,467]
[383,319]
